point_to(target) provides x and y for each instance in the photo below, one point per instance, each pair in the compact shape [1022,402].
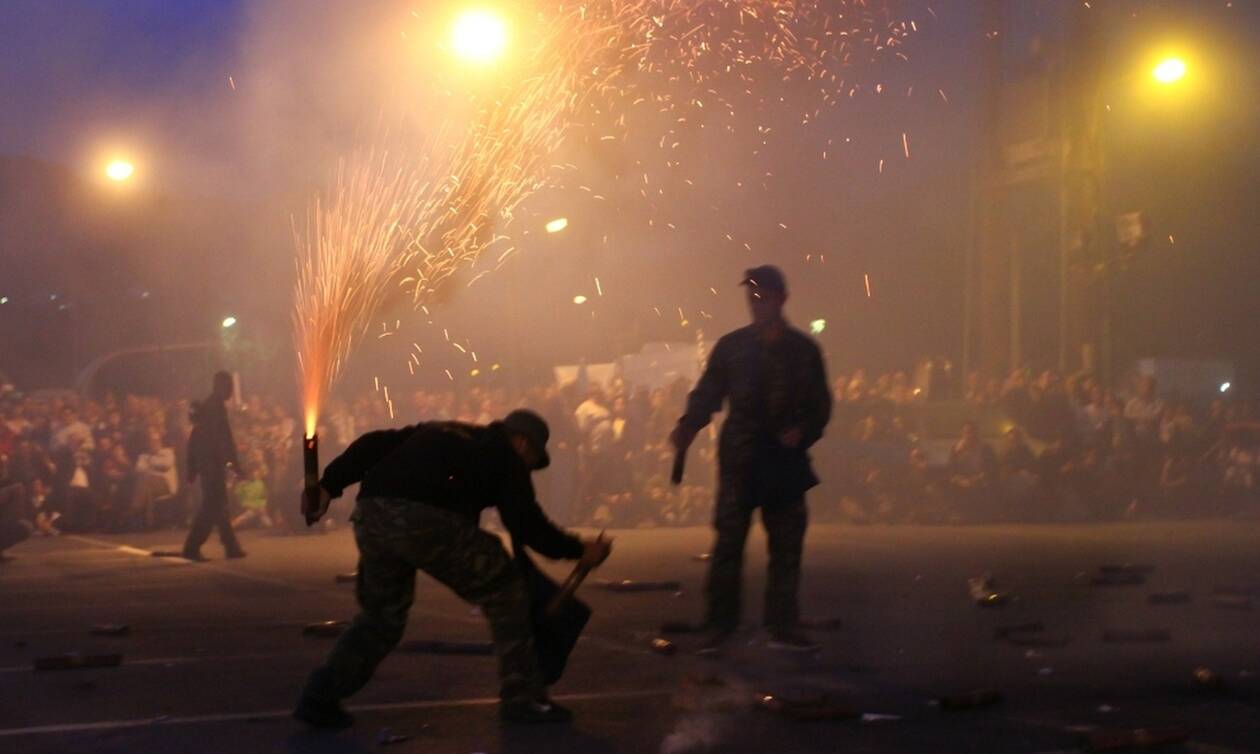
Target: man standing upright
[775,383]
[211,450]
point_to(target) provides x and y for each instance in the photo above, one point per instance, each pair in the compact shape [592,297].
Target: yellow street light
[479,36]
[1169,71]
[119,170]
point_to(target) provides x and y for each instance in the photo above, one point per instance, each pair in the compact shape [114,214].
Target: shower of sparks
[595,72]
[348,259]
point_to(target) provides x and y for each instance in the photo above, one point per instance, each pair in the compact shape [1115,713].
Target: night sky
[226,168]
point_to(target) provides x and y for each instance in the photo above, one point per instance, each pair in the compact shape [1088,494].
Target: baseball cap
[766,276]
[534,429]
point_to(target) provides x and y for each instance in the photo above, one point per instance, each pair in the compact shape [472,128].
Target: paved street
[215,652]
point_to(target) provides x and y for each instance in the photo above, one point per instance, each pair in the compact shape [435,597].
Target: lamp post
[1169,72]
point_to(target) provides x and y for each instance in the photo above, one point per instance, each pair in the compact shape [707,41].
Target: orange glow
[312,420]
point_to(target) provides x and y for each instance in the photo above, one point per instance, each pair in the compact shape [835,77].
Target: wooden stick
[571,584]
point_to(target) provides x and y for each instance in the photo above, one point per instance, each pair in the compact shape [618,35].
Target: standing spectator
[1144,411]
[114,494]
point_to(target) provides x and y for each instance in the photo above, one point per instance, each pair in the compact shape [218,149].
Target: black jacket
[210,445]
[464,468]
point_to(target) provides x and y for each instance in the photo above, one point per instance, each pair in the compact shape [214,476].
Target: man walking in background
[211,450]
[774,381]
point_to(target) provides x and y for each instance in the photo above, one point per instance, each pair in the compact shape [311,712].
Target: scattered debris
[680,627]
[385,737]
[1110,740]
[346,578]
[1118,578]
[1208,679]
[167,554]
[875,717]
[711,693]
[1135,635]
[1141,569]
[821,624]
[970,700]
[1168,598]
[326,628]
[1232,601]
[664,647]
[821,707]
[627,585]
[76,661]
[1032,639]
[983,592]
[1003,632]
[111,629]
[435,647]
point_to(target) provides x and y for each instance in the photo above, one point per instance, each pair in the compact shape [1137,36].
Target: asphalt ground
[216,653]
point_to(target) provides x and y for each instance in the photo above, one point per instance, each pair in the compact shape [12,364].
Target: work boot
[194,556]
[236,554]
[716,642]
[322,714]
[791,640]
[527,711]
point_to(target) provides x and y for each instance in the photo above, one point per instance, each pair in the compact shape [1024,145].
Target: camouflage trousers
[398,537]
[785,525]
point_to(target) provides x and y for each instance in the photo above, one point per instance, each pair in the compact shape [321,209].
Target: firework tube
[310,462]
[680,462]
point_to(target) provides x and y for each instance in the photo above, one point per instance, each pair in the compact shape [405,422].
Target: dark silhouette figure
[211,450]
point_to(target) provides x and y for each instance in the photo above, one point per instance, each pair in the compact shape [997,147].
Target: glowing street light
[817,326]
[1169,71]
[119,170]
[229,322]
[557,225]
[479,36]
[579,300]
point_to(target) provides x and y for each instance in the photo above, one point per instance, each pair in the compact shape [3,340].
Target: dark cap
[767,277]
[531,426]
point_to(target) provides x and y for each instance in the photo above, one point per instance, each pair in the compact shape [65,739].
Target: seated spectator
[251,496]
[972,468]
[1018,472]
[71,428]
[156,482]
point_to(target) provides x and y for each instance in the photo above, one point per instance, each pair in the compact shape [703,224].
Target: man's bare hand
[315,504]
[595,552]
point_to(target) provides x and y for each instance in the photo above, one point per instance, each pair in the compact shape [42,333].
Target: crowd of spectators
[1030,448]
[1037,447]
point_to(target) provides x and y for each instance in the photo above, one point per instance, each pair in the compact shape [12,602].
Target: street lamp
[1169,71]
[479,36]
[229,323]
[119,170]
